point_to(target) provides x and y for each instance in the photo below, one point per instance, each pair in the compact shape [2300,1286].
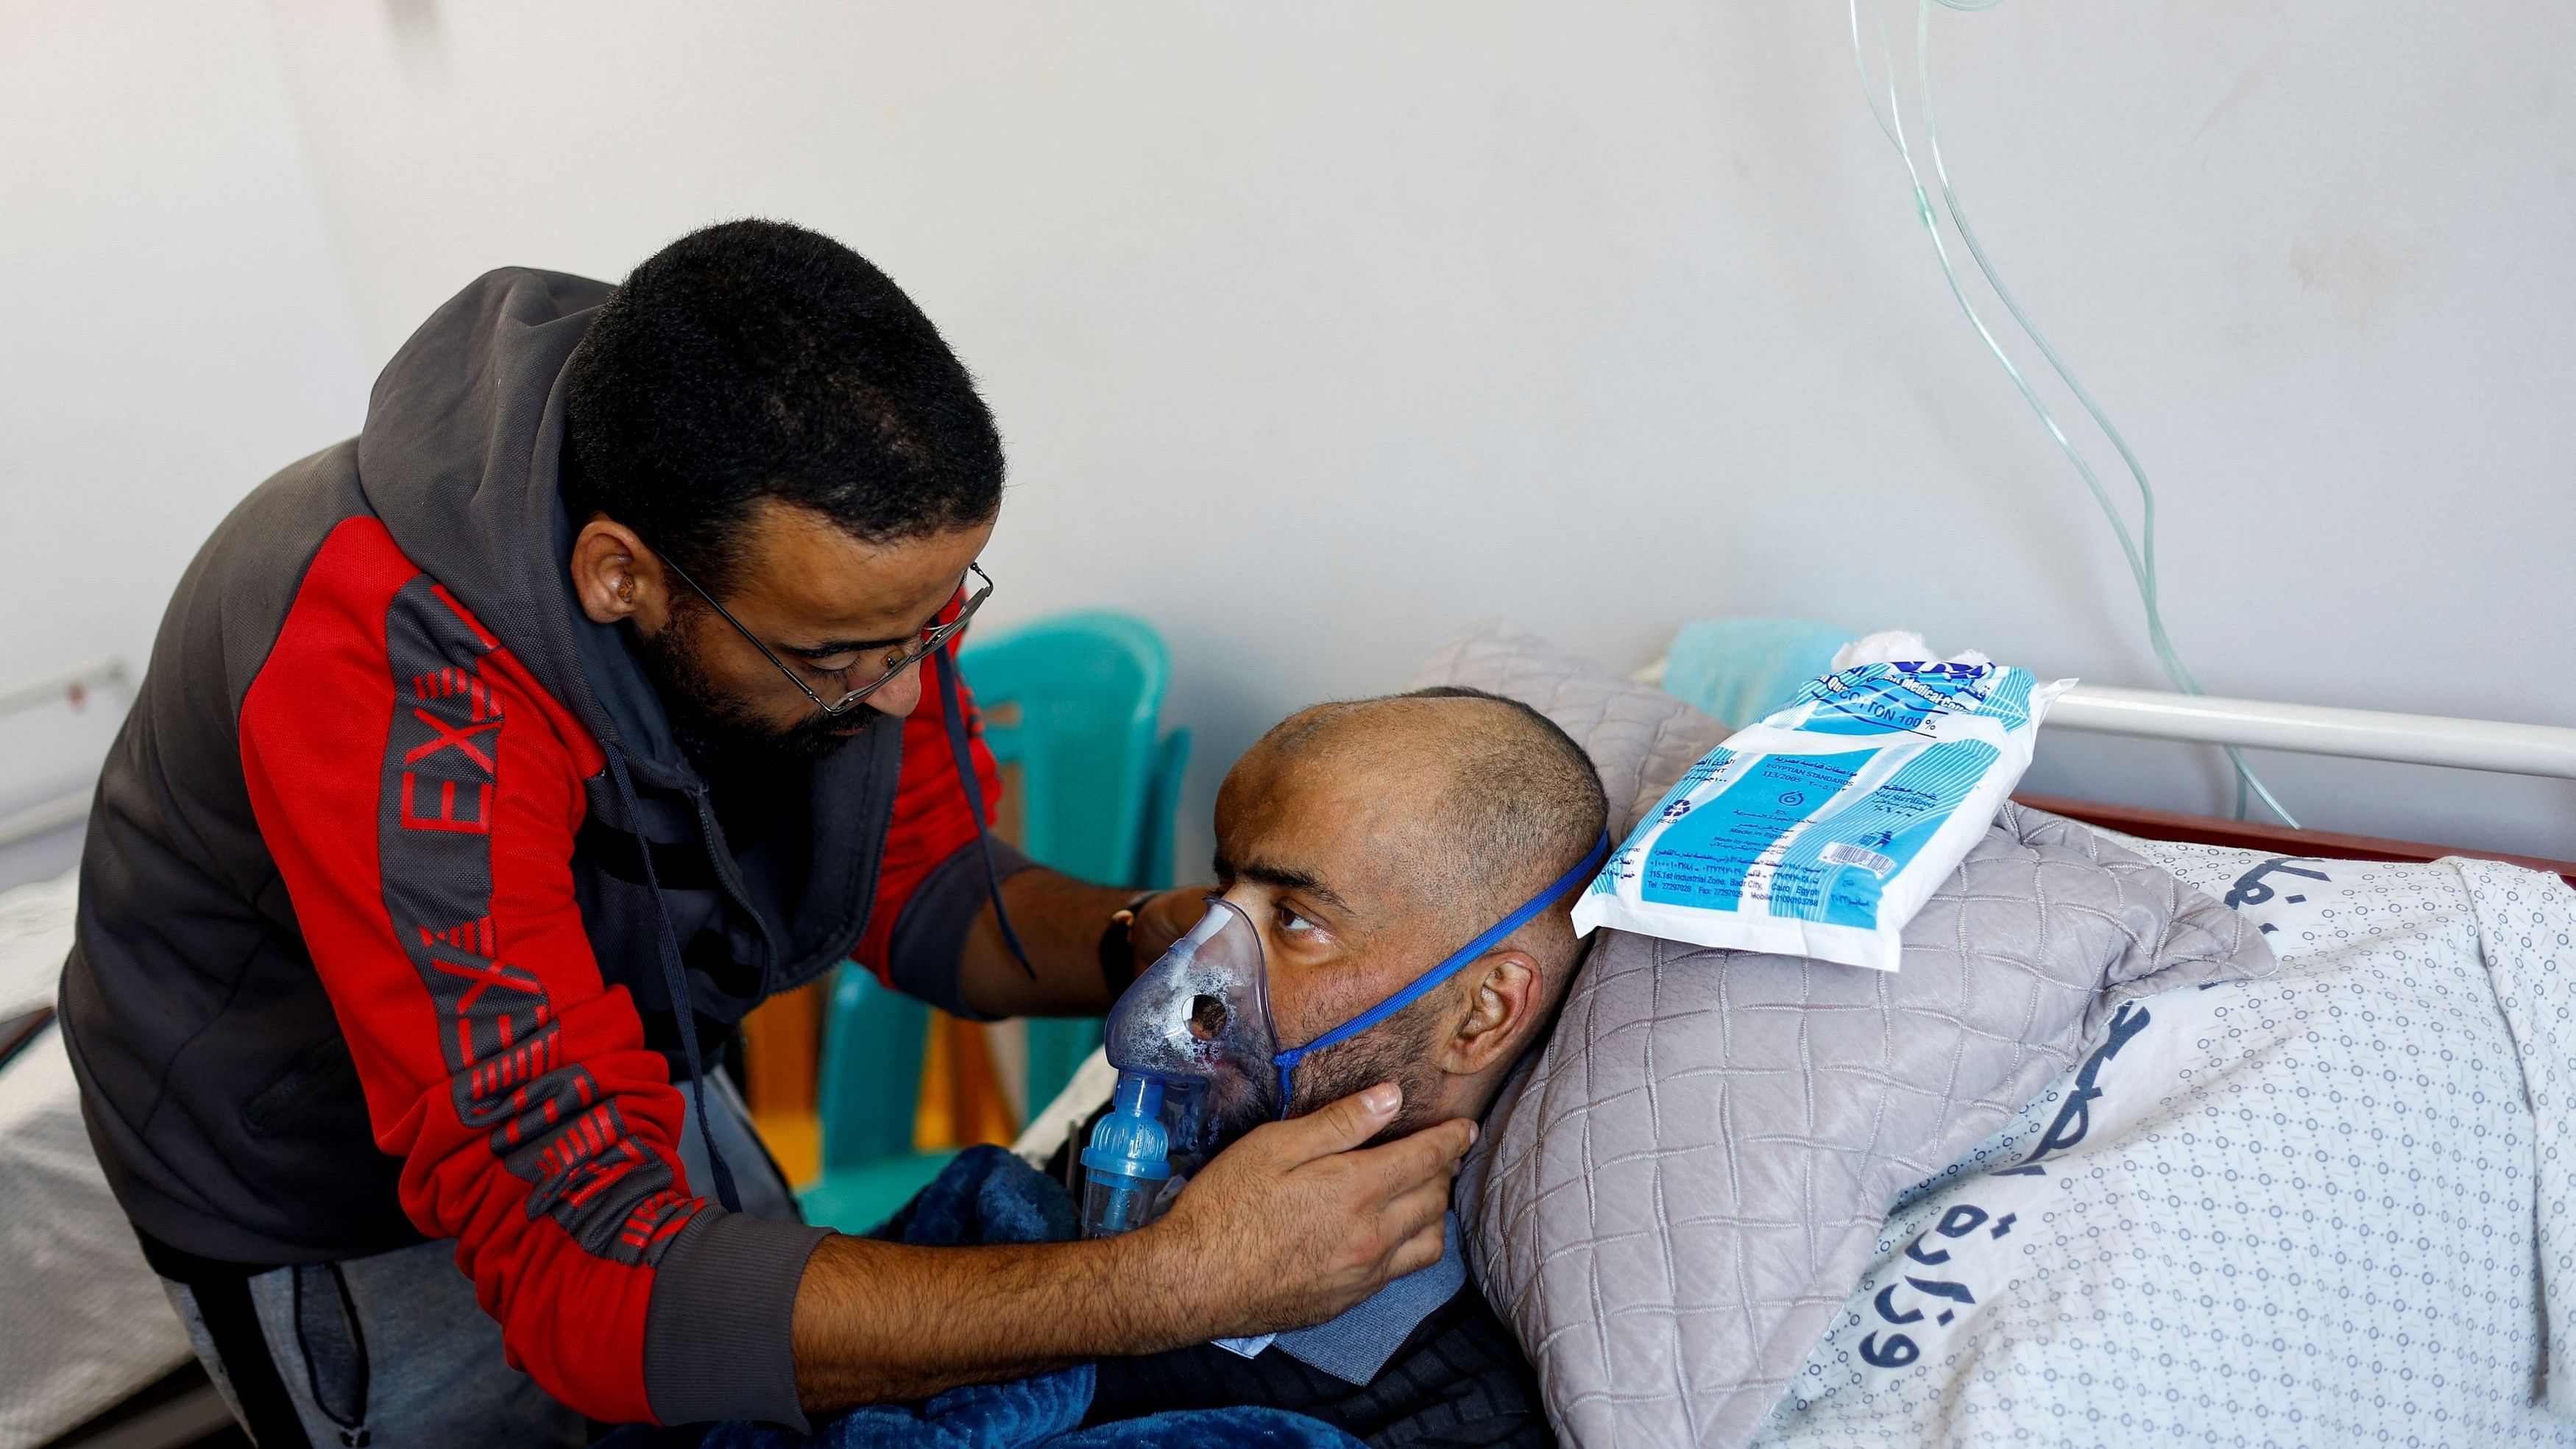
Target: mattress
[106,1330]
[2329,1207]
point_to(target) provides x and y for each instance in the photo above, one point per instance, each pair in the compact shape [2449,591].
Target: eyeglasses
[930,641]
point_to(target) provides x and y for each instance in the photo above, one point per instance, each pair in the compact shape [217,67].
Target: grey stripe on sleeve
[929,941]
[717,1335]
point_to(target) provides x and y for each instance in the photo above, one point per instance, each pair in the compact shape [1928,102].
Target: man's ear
[616,577]
[1502,1006]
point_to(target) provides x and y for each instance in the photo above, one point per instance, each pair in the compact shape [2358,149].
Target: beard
[710,721]
[1237,1098]
[1397,1050]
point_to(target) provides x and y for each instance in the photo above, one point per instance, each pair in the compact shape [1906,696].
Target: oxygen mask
[1192,1041]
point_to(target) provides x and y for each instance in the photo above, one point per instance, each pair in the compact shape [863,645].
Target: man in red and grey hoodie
[490,766]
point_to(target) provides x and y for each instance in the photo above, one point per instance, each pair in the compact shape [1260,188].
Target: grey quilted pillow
[1693,1175]
[1675,1194]
[1640,738]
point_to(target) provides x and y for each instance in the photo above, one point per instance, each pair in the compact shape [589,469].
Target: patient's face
[1329,857]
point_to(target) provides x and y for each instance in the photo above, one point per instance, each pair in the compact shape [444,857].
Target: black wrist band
[1118,946]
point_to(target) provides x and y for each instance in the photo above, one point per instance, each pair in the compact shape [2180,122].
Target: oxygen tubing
[2140,550]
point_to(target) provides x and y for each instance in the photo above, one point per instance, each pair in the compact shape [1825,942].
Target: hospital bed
[106,1334]
[2366,1145]
[2324,1204]
[2540,751]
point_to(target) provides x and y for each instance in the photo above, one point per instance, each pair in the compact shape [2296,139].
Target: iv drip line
[2139,550]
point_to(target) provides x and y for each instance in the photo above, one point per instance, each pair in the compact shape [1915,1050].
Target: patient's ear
[1502,1004]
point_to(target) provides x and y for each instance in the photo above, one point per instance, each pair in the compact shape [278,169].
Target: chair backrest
[1056,1048]
[873,1041]
[1070,706]
[1162,805]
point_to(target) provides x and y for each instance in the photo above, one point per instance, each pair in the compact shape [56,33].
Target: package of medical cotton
[1822,830]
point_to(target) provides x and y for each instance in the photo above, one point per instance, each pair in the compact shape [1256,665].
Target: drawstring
[943,662]
[675,980]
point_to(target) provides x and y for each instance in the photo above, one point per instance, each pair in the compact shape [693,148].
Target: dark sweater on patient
[1460,1381]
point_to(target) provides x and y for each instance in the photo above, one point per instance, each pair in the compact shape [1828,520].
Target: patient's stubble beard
[1397,1050]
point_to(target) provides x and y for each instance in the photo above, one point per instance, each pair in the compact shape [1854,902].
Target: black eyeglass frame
[931,640]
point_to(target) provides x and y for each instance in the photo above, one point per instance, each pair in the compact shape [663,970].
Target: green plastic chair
[1074,703]
[870,1083]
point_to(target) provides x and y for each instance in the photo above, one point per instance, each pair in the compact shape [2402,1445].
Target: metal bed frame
[2360,734]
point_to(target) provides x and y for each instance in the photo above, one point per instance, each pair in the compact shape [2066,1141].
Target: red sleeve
[932,820]
[420,793]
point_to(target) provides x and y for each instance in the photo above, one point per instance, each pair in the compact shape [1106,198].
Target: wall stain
[2355,277]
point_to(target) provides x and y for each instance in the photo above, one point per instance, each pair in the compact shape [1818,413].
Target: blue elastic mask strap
[1286,1061]
[943,663]
[676,981]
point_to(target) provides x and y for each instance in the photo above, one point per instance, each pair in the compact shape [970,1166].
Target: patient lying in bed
[1367,841]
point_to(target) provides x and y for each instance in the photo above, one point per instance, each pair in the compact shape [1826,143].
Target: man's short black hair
[756,360]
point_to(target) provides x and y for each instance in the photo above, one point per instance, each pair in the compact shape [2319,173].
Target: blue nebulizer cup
[1192,1043]
[1128,1162]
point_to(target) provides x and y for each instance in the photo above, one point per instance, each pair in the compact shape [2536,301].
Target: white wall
[173,328]
[1317,329]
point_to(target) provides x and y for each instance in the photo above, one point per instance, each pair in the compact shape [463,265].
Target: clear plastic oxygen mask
[1192,1042]
[1199,1062]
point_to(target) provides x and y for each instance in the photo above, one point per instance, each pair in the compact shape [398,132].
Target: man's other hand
[1165,917]
[1296,1223]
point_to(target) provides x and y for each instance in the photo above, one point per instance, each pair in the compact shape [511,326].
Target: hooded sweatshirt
[371,944]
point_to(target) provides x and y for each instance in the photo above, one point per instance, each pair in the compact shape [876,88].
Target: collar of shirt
[1356,1345]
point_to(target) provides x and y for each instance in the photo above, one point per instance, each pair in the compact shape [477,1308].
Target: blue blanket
[988,1196]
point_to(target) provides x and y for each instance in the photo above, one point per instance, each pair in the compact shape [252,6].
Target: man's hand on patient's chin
[1296,1222]
[1287,1227]
[1166,917]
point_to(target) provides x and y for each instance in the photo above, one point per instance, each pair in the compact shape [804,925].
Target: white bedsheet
[83,1322]
[2333,1207]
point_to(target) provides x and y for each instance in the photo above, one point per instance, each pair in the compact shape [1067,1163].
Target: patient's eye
[1294,925]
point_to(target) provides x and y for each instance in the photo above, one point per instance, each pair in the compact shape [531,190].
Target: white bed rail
[73,687]
[2361,734]
[2308,729]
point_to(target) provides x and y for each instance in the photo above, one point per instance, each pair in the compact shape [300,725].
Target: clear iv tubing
[2140,551]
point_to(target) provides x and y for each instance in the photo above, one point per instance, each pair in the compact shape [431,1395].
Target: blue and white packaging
[1821,831]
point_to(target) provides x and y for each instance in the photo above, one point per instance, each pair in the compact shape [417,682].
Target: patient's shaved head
[1500,801]
[1371,839]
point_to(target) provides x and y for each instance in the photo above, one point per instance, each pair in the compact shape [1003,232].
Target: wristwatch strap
[1118,945]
